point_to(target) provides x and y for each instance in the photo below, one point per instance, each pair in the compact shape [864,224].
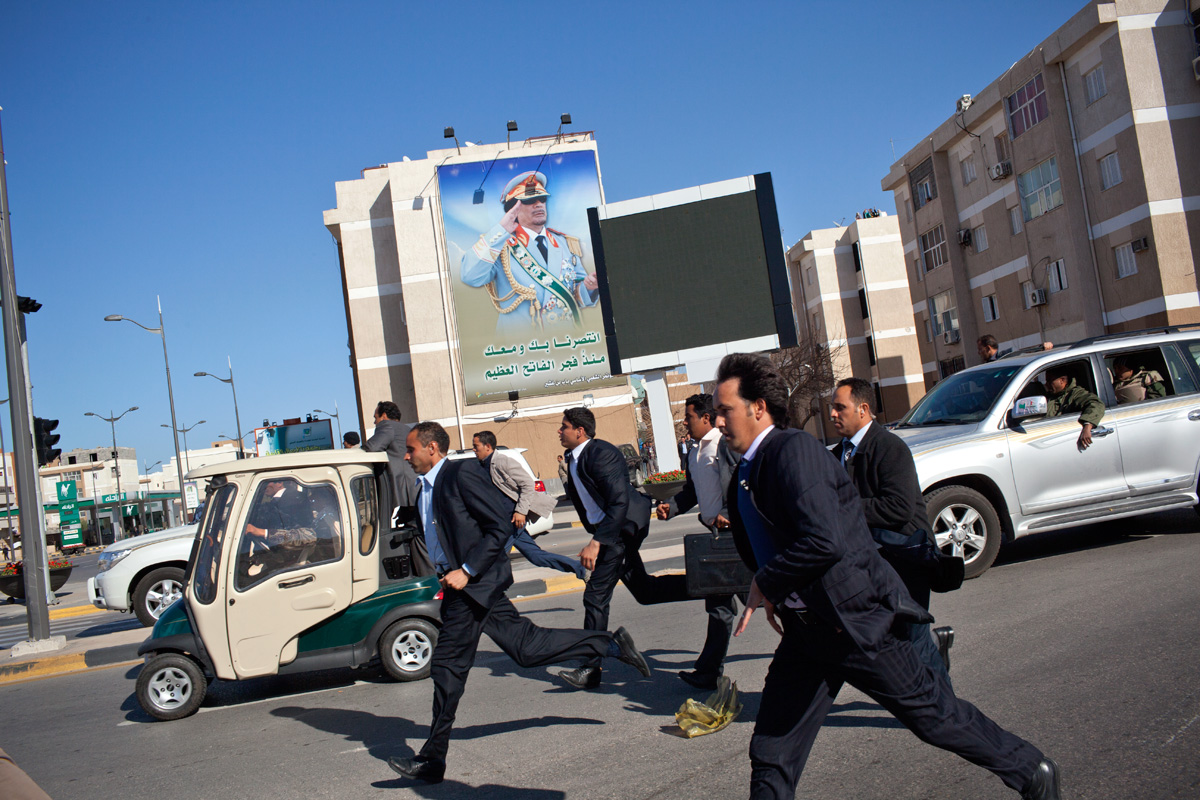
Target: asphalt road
[1084,642]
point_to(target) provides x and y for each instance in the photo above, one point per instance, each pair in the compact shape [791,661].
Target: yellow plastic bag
[720,709]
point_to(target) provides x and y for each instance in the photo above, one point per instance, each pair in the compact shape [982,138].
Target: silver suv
[993,469]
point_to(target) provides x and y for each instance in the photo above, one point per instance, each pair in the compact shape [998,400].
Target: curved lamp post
[236,417]
[184,431]
[112,421]
[335,416]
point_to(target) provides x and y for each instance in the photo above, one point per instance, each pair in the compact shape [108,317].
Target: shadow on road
[1101,534]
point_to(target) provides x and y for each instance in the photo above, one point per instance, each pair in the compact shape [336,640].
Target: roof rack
[1107,337]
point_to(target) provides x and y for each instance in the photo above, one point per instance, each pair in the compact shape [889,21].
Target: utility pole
[33,534]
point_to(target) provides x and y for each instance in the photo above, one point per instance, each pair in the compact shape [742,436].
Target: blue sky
[188,150]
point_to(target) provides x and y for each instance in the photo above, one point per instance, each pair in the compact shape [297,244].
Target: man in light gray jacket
[510,477]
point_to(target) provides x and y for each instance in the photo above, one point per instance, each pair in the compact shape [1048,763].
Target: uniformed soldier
[1133,386]
[534,274]
[1067,397]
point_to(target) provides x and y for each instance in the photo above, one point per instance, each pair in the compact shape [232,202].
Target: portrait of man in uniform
[535,276]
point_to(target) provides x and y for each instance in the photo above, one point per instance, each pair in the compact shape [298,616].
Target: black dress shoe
[1044,783]
[419,768]
[629,652]
[582,677]
[699,680]
[945,640]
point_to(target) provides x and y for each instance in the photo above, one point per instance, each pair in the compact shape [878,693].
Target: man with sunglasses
[534,275]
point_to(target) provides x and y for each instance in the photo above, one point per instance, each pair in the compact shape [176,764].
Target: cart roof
[311,458]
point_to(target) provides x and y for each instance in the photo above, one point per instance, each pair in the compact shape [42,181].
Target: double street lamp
[162,332]
[184,431]
[112,421]
[237,418]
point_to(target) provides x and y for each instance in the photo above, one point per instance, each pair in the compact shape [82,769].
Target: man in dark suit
[618,517]
[882,469]
[835,602]
[710,467]
[389,437]
[466,522]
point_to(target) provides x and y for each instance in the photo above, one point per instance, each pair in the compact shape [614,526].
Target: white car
[143,574]
[542,524]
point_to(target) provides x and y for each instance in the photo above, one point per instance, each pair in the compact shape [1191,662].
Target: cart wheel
[171,686]
[406,649]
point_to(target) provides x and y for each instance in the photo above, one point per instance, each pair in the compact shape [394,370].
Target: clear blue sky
[188,150]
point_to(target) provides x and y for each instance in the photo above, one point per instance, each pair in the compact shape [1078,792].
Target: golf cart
[293,569]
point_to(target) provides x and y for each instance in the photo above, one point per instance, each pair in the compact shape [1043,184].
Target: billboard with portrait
[525,289]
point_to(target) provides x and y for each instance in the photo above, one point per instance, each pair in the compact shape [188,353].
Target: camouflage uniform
[1076,399]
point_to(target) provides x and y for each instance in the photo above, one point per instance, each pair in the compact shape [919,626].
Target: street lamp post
[335,416]
[112,421]
[184,431]
[162,332]
[7,491]
[236,417]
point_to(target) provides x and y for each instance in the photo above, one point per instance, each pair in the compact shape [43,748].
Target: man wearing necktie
[466,521]
[835,602]
[534,275]
[882,469]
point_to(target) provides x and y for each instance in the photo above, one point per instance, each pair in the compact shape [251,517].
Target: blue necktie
[756,531]
[432,544]
[847,451]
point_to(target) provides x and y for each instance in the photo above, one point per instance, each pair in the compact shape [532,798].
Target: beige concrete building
[850,291]
[1063,200]
[396,277]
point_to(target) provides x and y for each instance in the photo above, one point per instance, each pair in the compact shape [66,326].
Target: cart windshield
[212,541]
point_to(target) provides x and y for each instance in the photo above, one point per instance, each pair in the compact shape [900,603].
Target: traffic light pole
[33,535]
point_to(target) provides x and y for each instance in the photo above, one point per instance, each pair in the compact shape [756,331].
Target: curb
[527,590]
[118,655]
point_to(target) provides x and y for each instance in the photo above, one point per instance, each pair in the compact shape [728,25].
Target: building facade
[403,330]
[1062,201]
[850,291]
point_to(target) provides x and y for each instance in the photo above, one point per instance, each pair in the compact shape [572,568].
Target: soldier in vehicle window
[1068,397]
[1133,386]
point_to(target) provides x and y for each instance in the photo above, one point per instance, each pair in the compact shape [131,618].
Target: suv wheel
[171,686]
[406,649]
[157,590]
[965,524]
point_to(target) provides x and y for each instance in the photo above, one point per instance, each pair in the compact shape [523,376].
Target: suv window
[1148,374]
[212,540]
[1079,370]
[961,399]
[290,525]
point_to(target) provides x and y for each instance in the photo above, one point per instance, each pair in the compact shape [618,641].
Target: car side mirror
[1028,407]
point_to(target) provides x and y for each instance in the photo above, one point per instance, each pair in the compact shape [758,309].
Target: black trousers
[810,666]
[463,622]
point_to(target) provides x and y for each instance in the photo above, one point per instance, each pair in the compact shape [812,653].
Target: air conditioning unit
[1196,67]
[1000,171]
[1037,298]
[1138,245]
[951,336]
[964,237]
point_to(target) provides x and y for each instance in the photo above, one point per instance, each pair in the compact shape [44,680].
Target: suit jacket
[825,552]
[389,437]
[883,472]
[604,474]
[474,521]
[727,462]
[512,479]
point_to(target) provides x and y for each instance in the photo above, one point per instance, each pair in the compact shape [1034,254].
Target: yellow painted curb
[561,582]
[38,668]
[73,611]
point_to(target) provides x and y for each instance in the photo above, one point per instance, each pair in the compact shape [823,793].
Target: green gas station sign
[68,505]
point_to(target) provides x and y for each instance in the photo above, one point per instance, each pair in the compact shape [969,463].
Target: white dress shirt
[594,512]
[705,471]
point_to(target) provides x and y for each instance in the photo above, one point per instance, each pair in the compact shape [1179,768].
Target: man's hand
[663,511]
[589,553]
[755,600]
[720,523]
[518,519]
[1085,437]
[254,530]
[456,579]
[509,220]
[591,282]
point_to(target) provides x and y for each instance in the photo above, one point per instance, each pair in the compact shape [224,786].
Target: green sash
[545,279]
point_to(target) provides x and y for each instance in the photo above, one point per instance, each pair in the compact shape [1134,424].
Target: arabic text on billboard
[525,293]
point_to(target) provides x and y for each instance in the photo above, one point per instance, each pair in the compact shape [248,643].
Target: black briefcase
[714,565]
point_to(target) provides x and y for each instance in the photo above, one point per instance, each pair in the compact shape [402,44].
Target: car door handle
[1101,431]
[1194,415]
[297,582]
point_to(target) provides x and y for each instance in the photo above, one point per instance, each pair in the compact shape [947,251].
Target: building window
[871,350]
[907,210]
[1027,107]
[991,309]
[1094,81]
[968,169]
[933,248]
[70,459]
[878,399]
[1003,151]
[928,331]
[918,268]
[1126,265]
[817,323]
[949,366]
[979,237]
[92,457]
[1040,189]
[1027,293]
[1110,171]
[1056,276]
[943,312]
[862,302]
[808,275]
[922,183]
[856,248]
[1014,220]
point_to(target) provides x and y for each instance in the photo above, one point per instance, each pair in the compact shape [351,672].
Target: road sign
[71,537]
[68,507]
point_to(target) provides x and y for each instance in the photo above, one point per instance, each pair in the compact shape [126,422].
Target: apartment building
[1063,200]
[850,291]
